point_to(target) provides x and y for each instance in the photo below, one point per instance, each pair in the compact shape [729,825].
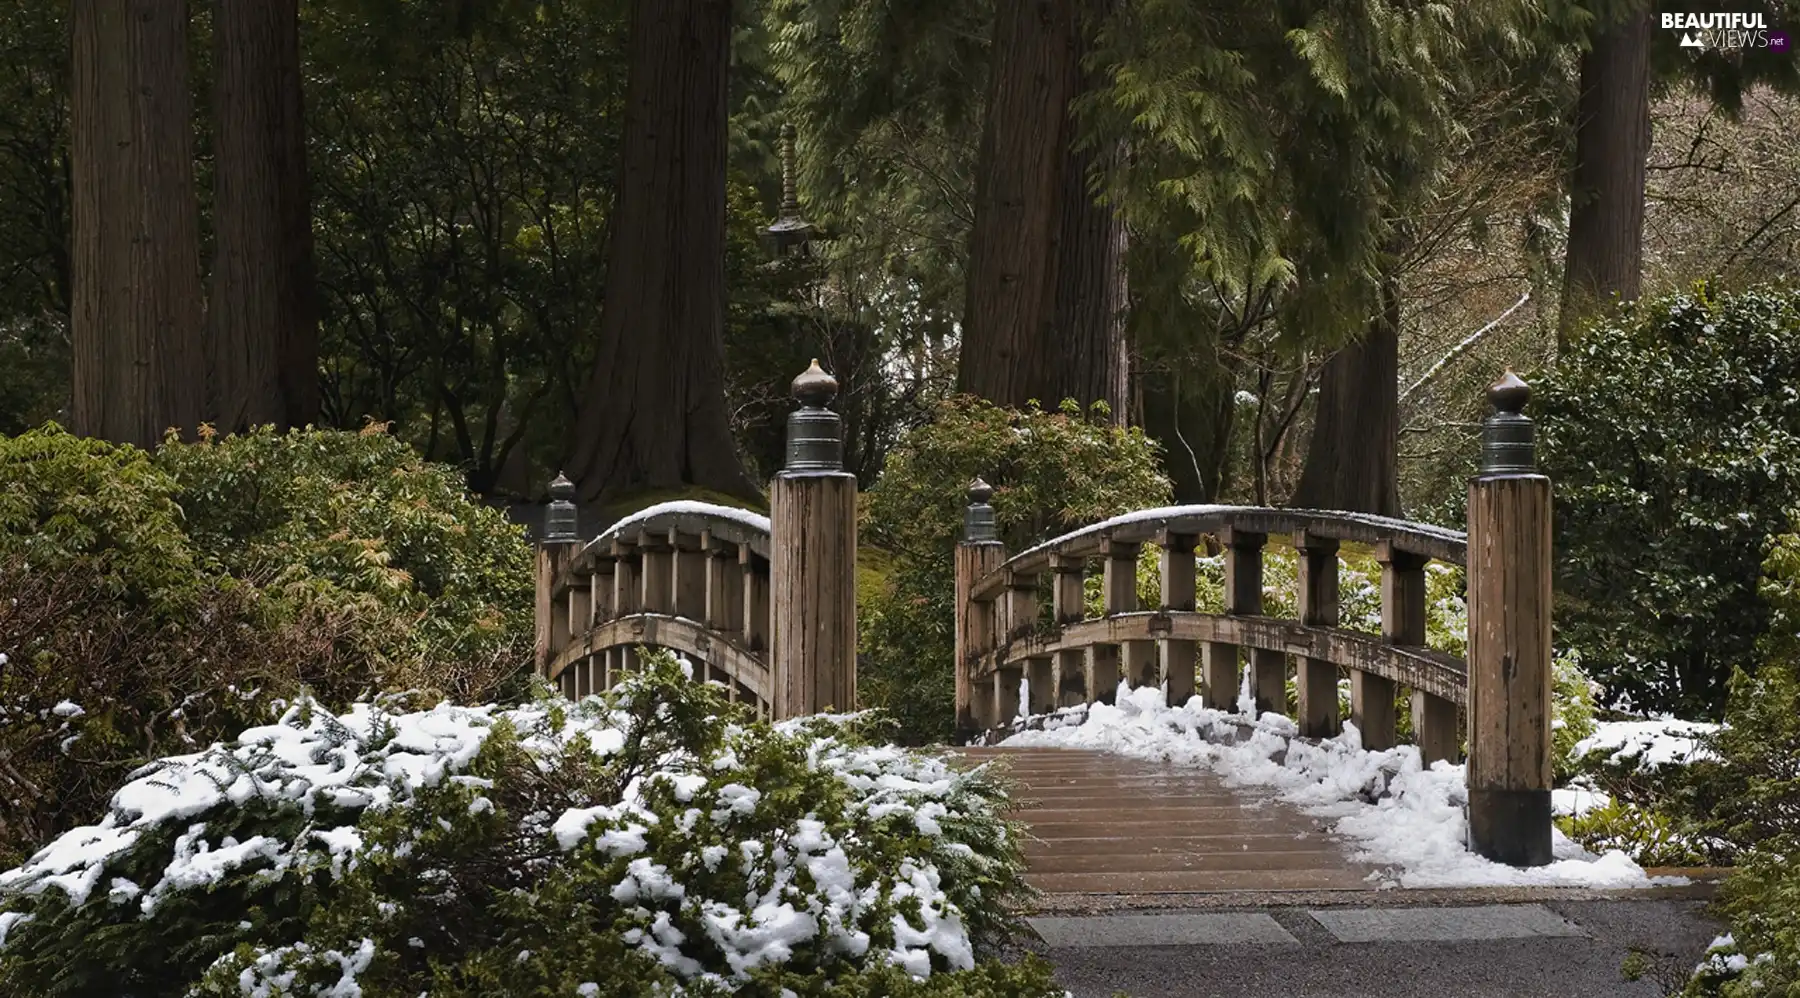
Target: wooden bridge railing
[687,576]
[1068,659]
[764,605]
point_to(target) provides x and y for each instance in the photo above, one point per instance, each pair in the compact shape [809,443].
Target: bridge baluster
[756,599]
[1020,616]
[1178,654]
[724,609]
[658,594]
[628,598]
[1316,678]
[1402,623]
[689,583]
[1223,670]
[1118,590]
[1068,670]
[600,592]
[1244,597]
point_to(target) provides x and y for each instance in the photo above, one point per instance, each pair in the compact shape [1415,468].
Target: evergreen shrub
[1751,799]
[156,602]
[1669,429]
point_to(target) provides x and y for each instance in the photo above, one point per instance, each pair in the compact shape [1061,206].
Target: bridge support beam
[1509,768]
[812,536]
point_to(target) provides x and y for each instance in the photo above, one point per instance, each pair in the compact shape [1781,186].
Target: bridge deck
[1104,824]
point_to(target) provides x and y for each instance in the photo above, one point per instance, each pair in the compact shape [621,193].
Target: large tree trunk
[263,351]
[1044,318]
[653,416]
[1353,461]
[1605,254]
[1086,337]
[139,356]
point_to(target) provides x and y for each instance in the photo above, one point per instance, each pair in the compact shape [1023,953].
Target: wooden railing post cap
[814,433]
[1507,436]
[979,525]
[560,519]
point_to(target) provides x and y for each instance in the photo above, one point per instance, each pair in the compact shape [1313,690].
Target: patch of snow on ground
[1397,815]
[1649,743]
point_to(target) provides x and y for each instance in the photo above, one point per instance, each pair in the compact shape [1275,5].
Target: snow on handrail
[1144,525]
[688,516]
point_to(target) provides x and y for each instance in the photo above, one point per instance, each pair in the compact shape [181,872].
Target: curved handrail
[726,523]
[1145,525]
[689,637]
[1424,669]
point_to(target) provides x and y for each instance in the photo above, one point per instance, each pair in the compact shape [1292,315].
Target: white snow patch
[1650,744]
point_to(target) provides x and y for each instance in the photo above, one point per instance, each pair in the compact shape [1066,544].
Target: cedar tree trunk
[263,351]
[1605,254]
[139,356]
[653,415]
[1353,462]
[1044,316]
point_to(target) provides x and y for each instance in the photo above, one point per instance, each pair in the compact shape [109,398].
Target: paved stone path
[1566,949]
[1102,823]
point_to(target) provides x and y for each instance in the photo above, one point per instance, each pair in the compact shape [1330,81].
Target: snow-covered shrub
[655,841]
[155,602]
[1669,429]
[1051,472]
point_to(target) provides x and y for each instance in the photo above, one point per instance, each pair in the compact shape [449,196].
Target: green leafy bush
[1051,472]
[1572,707]
[654,841]
[161,601]
[1751,798]
[1669,430]
[358,518]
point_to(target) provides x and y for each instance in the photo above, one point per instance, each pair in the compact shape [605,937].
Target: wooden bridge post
[1244,597]
[1402,623]
[1509,770]
[1068,605]
[1118,594]
[557,546]
[977,555]
[1316,678]
[1178,655]
[812,540]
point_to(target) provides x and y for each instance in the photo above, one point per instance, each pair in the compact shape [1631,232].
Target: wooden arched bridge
[766,607]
